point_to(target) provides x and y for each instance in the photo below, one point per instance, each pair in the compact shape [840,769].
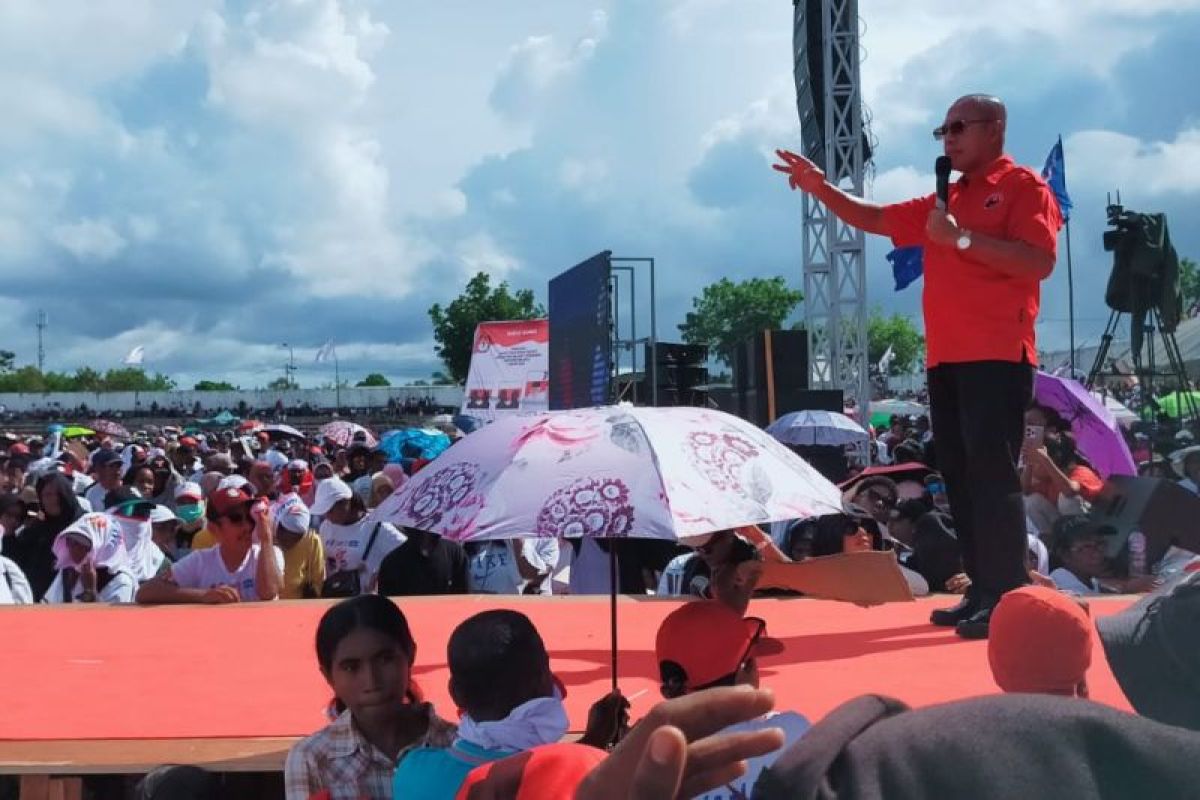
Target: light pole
[289,369]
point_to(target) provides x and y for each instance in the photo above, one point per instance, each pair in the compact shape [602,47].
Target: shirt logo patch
[993,200]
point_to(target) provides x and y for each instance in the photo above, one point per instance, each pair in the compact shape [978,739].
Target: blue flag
[907,265]
[1055,173]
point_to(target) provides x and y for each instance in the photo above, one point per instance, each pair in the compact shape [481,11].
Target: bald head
[974,131]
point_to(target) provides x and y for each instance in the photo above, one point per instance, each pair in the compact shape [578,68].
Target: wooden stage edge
[136,756]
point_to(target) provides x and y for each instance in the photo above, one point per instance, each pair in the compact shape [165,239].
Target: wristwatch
[964,240]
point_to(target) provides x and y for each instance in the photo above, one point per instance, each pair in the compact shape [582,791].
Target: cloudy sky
[211,179]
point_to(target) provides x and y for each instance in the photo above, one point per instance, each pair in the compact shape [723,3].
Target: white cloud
[583,174]
[535,66]
[481,253]
[90,239]
[900,183]
[1105,160]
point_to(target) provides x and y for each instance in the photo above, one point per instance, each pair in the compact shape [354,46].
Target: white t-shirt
[344,546]
[14,586]
[204,569]
[493,570]
[1067,581]
[119,589]
[670,584]
[95,497]
[794,726]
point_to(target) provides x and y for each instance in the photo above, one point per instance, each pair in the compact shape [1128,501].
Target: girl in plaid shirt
[366,652]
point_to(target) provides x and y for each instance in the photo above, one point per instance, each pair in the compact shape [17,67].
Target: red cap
[19,449]
[226,499]
[187,441]
[547,771]
[710,640]
[1039,642]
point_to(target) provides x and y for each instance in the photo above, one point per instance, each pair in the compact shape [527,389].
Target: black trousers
[977,411]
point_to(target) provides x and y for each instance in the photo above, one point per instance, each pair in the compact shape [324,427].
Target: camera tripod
[1147,372]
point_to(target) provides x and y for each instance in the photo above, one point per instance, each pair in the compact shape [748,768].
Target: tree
[454,325]
[1189,284]
[899,333]
[7,357]
[280,384]
[441,379]
[727,313]
[214,386]
[374,379]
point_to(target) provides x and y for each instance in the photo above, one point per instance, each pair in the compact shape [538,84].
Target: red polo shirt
[973,312]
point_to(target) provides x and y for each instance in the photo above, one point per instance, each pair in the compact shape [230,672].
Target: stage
[94,689]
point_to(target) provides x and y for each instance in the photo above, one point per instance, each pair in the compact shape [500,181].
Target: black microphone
[941,168]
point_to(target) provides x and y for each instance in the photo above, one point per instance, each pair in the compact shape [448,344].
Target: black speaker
[789,360]
[680,372]
[1161,509]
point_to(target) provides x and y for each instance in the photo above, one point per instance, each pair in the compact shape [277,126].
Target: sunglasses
[956,127]
[237,517]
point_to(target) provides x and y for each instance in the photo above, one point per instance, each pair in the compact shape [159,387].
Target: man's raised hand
[802,173]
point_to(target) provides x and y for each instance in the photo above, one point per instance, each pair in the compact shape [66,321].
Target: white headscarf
[108,545]
[144,556]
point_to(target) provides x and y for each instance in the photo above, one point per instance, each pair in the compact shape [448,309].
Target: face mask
[190,513]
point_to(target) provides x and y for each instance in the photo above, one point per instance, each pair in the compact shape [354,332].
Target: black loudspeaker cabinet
[681,372]
[789,359]
[1161,509]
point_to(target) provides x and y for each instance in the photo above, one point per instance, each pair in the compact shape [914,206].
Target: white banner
[509,369]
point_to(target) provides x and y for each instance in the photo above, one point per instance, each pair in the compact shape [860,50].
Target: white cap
[161,514]
[189,489]
[233,482]
[329,492]
[292,515]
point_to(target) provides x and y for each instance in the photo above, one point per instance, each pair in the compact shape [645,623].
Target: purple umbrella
[1095,428]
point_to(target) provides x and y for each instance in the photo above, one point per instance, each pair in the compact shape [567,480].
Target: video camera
[1123,223]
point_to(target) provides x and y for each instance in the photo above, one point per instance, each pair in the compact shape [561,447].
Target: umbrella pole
[612,606]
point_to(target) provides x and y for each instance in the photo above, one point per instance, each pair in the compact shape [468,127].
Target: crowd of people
[222,518]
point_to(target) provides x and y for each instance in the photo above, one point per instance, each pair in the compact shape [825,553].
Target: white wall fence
[142,402]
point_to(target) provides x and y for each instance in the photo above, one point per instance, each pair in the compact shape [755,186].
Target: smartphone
[1035,435]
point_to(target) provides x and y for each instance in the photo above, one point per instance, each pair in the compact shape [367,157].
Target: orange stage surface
[249,670]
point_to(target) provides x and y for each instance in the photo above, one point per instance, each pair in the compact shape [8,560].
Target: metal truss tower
[835,291]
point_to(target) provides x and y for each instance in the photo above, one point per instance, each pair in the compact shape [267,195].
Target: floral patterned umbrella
[614,471]
[109,428]
[343,433]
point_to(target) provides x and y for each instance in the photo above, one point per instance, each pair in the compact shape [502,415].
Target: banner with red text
[509,369]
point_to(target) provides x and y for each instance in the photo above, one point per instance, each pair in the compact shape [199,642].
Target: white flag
[885,360]
[326,353]
[136,356]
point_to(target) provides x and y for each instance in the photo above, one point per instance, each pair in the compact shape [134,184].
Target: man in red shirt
[985,256]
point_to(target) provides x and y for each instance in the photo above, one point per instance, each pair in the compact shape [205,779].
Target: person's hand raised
[802,173]
[264,531]
[219,595]
[678,749]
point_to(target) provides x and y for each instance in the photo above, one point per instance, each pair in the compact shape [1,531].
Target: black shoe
[949,617]
[976,626]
